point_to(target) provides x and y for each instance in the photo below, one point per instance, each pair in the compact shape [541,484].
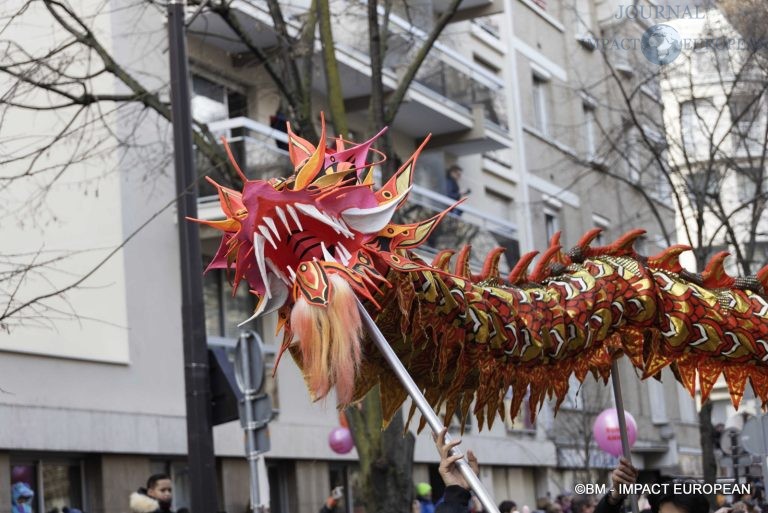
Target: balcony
[255,147]
[470,9]
[465,225]
[452,98]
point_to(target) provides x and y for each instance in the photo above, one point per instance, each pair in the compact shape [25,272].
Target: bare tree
[573,431]
[693,134]
[68,77]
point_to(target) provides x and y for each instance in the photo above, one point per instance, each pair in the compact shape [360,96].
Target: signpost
[255,408]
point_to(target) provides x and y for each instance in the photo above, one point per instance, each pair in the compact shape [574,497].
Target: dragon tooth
[281,215]
[267,235]
[344,260]
[277,271]
[314,213]
[271,225]
[347,231]
[295,217]
[258,244]
[291,272]
[326,254]
[344,251]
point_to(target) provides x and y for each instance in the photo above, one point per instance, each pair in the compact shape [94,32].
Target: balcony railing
[464,225]
[450,74]
[444,71]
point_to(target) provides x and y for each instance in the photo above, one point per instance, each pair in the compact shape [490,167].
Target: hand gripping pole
[421,403]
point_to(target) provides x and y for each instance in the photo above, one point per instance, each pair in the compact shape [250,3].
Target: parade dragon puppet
[309,244]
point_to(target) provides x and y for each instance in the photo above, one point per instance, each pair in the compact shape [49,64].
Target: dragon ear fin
[401,181]
[299,149]
[314,164]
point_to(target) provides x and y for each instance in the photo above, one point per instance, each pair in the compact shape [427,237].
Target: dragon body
[308,244]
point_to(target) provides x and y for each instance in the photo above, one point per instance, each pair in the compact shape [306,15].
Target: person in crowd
[679,503]
[508,507]
[157,497]
[333,500]
[582,504]
[21,498]
[565,502]
[424,496]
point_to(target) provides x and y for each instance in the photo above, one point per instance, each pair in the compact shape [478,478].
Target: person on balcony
[452,181]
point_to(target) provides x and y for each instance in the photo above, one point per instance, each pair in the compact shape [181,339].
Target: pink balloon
[340,440]
[607,433]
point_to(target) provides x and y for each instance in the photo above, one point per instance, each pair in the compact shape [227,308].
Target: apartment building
[714,100]
[96,402]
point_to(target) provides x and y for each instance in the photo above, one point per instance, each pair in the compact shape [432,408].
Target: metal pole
[426,410]
[251,450]
[615,379]
[201,458]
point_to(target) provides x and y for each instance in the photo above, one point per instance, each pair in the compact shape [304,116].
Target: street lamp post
[201,458]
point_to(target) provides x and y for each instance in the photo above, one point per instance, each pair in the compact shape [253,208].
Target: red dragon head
[308,243]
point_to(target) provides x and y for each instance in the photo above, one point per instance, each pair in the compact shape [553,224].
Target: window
[223,311]
[540,104]
[747,124]
[551,223]
[55,483]
[686,404]
[695,117]
[590,127]
[213,101]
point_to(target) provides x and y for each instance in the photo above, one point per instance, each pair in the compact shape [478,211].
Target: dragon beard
[329,339]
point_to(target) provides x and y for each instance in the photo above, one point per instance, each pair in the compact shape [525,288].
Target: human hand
[623,474]
[448,469]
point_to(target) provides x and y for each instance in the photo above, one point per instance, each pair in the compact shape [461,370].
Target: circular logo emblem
[661,44]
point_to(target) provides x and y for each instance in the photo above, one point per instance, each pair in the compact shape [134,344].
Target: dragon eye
[303,267]
[386,194]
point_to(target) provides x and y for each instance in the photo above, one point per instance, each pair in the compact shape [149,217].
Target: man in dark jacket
[456,496]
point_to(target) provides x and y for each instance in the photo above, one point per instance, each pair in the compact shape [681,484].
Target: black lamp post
[201,458]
